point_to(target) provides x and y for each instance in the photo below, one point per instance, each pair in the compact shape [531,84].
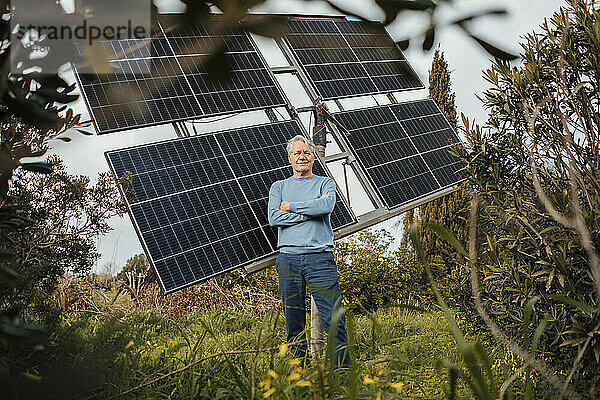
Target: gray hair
[300,138]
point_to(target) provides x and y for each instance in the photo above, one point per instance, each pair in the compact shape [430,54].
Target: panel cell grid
[165,79]
[405,149]
[199,204]
[349,58]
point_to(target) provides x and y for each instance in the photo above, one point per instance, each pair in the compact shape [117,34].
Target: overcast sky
[85,155]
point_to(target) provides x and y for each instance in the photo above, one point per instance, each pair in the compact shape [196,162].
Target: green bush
[373,276]
[66,214]
[137,265]
[536,170]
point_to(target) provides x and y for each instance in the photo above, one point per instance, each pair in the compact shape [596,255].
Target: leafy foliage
[366,258]
[28,120]
[478,374]
[33,111]
[536,168]
[66,214]
[138,265]
[440,89]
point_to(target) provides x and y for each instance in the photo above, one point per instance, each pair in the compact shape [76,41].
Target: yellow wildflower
[272,374]
[294,362]
[265,383]
[128,345]
[368,380]
[300,370]
[380,372]
[65,319]
[283,348]
[397,386]
[294,376]
[268,393]
[304,384]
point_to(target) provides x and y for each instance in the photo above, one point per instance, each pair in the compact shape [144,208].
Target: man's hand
[324,196]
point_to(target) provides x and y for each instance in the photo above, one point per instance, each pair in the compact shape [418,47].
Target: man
[300,206]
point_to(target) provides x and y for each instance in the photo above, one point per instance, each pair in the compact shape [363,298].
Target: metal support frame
[345,165]
[176,128]
[340,156]
[181,129]
[305,109]
[271,115]
[286,69]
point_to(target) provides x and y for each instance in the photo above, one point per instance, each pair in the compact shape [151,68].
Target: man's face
[301,157]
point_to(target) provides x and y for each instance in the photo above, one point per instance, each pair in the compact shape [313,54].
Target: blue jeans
[319,272]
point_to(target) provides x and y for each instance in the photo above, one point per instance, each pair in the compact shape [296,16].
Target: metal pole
[317,335]
[177,131]
[345,164]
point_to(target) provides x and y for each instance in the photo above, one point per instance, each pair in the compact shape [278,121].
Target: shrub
[536,169]
[373,276]
[66,214]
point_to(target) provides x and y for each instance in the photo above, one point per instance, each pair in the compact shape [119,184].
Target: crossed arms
[284,213]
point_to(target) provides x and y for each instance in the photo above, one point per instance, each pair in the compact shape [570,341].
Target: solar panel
[404,148]
[200,205]
[166,80]
[349,58]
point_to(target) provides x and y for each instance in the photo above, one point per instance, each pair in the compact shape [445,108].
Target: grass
[395,356]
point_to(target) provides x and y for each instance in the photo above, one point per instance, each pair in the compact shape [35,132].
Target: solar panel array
[200,205]
[404,148]
[166,79]
[349,58]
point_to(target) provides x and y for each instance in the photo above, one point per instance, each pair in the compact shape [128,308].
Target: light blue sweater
[306,228]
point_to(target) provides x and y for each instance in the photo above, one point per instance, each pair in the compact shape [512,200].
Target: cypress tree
[451,210]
